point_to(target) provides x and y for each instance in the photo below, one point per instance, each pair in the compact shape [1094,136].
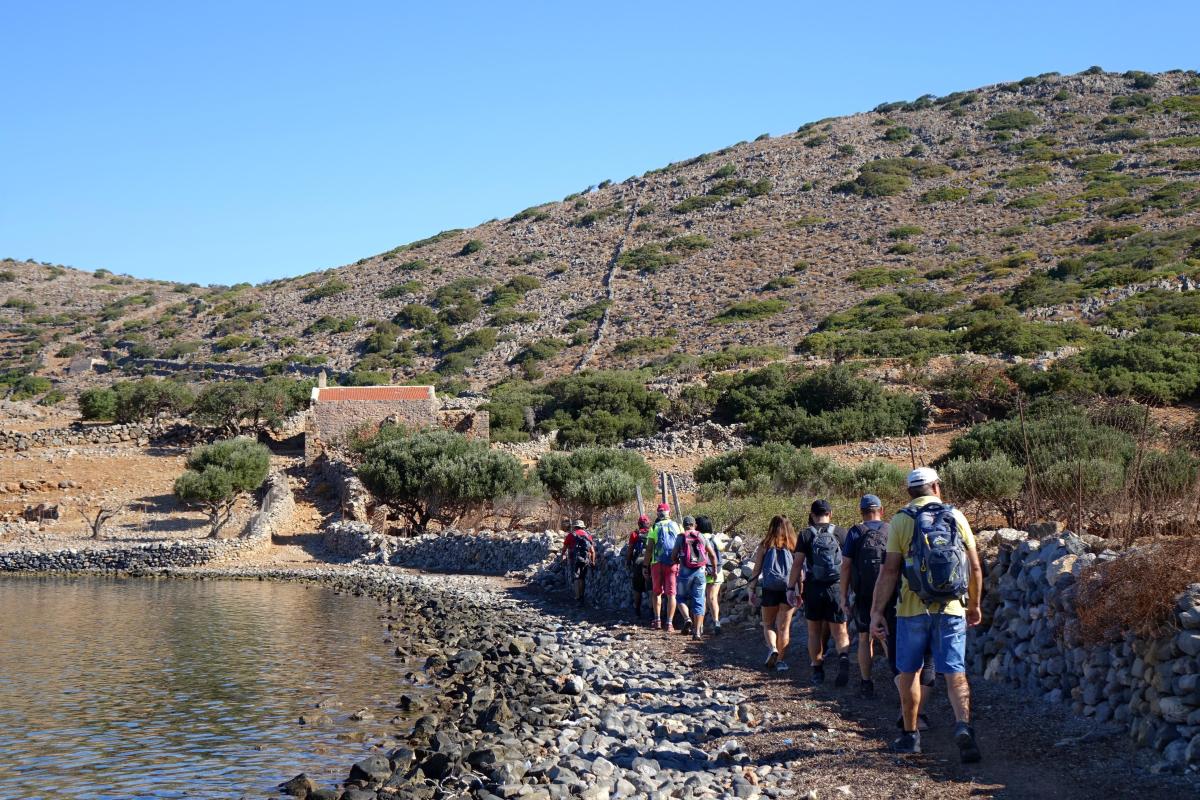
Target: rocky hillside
[933,211]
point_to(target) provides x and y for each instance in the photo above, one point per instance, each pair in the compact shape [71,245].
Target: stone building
[336,411]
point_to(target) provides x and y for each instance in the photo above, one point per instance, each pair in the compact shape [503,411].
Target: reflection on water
[135,688]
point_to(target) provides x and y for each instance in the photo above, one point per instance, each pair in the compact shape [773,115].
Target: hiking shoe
[782,666]
[968,748]
[697,637]
[866,689]
[909,742]
[716,630]
[818,674]
[656,624]
[843,673]
[772,658]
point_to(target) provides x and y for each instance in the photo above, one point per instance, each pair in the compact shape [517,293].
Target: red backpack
[695,554]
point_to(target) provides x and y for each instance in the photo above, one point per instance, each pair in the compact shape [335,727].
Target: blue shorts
[689,589]
[944,634]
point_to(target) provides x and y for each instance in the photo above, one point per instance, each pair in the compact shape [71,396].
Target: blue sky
[218,142]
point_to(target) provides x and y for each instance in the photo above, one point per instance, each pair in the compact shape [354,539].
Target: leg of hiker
[816,649]
[949,642]
[913,636]
[769,613]
[670,585]
[783,634]
[866,654]
[656,594]
[695,597]
[682,595]
[841,640]
[712,601]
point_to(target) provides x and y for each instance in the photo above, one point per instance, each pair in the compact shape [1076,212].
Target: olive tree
[150,398]
[995,482]
[591,480]
[436,475]
[98,404]
[220,473]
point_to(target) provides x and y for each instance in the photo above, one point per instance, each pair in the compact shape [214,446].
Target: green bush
[415,316]
[994,481]
[27,387]
[414,265]
[98,404]
[749,311]
[331,287]
[328,324]
[599,408]
[902,249]
[944,194]
[640,345]
[739,355]
[690,243]
[889,176]
[823,406]
[219,473]
[591,480]
[401,289]
[875,277]
[897,134]
[648,258]
[472,246]
[437,475]
[1012,121]
[1157,367]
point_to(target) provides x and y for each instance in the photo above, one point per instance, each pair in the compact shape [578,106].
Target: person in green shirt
[939,624]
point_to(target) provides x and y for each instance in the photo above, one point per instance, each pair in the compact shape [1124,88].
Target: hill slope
[1091,183]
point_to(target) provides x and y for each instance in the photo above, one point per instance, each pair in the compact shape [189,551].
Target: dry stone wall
[1148,688]
[276,507]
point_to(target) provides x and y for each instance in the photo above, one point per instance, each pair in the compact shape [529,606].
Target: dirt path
[837,742]
[608,289]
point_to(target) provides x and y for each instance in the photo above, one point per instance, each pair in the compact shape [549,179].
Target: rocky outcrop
[1149,688]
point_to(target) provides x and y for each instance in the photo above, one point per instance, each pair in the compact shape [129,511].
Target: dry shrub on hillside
[1135,592]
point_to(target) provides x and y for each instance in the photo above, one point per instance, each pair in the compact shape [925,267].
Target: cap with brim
[579,524]
[869,501]
[820,508]
[922,476]
[689,520]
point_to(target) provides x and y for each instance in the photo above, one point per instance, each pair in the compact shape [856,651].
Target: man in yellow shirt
[937,623]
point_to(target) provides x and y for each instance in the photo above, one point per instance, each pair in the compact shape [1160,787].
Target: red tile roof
[337,394]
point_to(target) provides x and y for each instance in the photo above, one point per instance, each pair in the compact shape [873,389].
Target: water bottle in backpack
[936,568]
[825,564]
[693,554]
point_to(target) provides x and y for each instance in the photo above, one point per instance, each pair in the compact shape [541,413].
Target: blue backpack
[936,567]
[776,569]
[667,532]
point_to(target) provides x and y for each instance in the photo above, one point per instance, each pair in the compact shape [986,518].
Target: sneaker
[697,637]
[843,672]
[782,666]
[656,624]
[716,630]
[772,658]
[909,742]
[818,674]
[866,689]
[968,748]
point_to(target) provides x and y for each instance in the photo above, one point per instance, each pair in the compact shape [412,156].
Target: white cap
[922,476]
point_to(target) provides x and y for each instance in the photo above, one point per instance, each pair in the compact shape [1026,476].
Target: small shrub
[471,247]
[749,311]
[944,194]
[690,243]
[648,258]
[904,232]
[1012,121]
[897,134]
[331,287]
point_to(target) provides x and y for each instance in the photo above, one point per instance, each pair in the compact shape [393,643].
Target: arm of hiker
[974,588]
[796,576]
[885,587]
[759,554]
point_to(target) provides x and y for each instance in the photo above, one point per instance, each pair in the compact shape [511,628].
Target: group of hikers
[912,586]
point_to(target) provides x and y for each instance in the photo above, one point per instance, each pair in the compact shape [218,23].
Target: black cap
[820,508]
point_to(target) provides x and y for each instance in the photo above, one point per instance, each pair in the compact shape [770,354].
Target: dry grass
[1136,592]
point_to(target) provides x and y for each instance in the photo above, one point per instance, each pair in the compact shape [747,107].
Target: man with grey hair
[931,543]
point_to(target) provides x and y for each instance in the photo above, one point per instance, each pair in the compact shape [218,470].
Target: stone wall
[1148,688]
[329,423]
[352,496]
[275,509]
[472,423]
[74,435]
[530,557]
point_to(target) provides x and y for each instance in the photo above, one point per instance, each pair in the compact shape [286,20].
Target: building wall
[474,424]
[330,423]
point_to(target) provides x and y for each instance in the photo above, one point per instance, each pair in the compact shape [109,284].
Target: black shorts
[823,602]
[774,597]
[579,570]
[638,578]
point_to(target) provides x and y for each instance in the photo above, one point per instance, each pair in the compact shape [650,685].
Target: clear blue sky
[225,141]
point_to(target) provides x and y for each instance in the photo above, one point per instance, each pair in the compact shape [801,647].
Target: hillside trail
[837,743]
[609,291]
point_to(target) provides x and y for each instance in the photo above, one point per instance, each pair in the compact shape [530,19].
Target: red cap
[643,520]
[664,507]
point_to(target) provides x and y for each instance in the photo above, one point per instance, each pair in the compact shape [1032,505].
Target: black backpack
[869,556]
[825,565]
